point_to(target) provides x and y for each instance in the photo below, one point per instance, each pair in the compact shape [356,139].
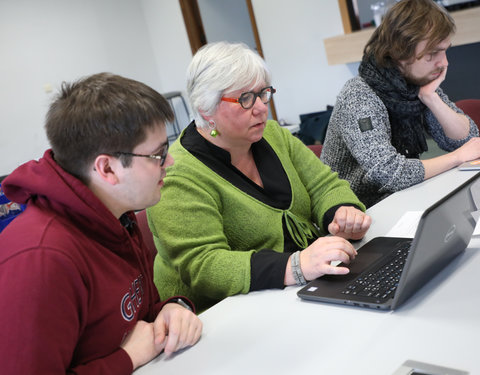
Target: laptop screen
[443,232]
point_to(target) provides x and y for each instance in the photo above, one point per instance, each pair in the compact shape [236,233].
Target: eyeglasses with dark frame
[247,99]
[162,155]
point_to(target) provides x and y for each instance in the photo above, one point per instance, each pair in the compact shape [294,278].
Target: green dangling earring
[214,131]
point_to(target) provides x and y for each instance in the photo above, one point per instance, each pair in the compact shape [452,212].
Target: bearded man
[378,127]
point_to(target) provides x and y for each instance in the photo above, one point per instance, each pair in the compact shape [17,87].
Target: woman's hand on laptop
[349,223]
[316,259]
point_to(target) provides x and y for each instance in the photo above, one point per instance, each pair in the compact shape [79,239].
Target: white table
[275,332]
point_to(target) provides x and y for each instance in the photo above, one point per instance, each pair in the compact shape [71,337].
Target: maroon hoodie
[73,279]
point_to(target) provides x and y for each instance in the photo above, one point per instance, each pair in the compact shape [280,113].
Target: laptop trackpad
[367,257]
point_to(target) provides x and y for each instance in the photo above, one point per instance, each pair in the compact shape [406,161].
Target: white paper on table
[407,225]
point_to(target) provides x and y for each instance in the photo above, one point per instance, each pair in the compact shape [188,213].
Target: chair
[182,114]
[313,126]
[471,107]
[145,230]
[317,149]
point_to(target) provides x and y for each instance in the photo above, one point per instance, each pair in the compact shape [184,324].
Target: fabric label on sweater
[365,124]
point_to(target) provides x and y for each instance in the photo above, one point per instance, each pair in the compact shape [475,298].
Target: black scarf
[405,110]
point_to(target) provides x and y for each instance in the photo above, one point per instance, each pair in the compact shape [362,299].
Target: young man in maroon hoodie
[76,284]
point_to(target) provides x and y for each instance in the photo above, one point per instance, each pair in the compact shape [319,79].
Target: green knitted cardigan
[205,229]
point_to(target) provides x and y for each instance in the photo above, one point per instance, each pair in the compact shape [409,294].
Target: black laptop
[388,270]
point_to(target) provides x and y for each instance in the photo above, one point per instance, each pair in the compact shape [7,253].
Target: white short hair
[218,67]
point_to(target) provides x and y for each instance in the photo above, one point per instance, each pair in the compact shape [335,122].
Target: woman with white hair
[245,205]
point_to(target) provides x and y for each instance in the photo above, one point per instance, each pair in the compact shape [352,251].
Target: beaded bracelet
[296,269]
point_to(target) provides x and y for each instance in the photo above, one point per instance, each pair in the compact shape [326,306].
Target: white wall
[45,42]
[169,41]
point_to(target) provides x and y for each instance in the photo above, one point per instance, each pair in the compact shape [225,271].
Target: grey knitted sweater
[358,144]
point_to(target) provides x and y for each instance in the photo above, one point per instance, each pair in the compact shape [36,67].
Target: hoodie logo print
[132,300]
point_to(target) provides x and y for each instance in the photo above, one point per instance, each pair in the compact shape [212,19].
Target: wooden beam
[347,27]
[258,44]
[193,24]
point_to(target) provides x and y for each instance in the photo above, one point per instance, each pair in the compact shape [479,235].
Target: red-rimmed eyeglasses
[247,99]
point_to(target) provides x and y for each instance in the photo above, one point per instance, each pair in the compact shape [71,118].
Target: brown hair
[102,114]
[406,24]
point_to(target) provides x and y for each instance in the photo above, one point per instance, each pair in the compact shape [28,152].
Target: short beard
[420,81]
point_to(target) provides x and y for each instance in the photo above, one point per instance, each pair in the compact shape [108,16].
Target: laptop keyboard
[381,282]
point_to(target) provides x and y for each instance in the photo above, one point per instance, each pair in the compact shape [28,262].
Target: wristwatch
[181,302]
